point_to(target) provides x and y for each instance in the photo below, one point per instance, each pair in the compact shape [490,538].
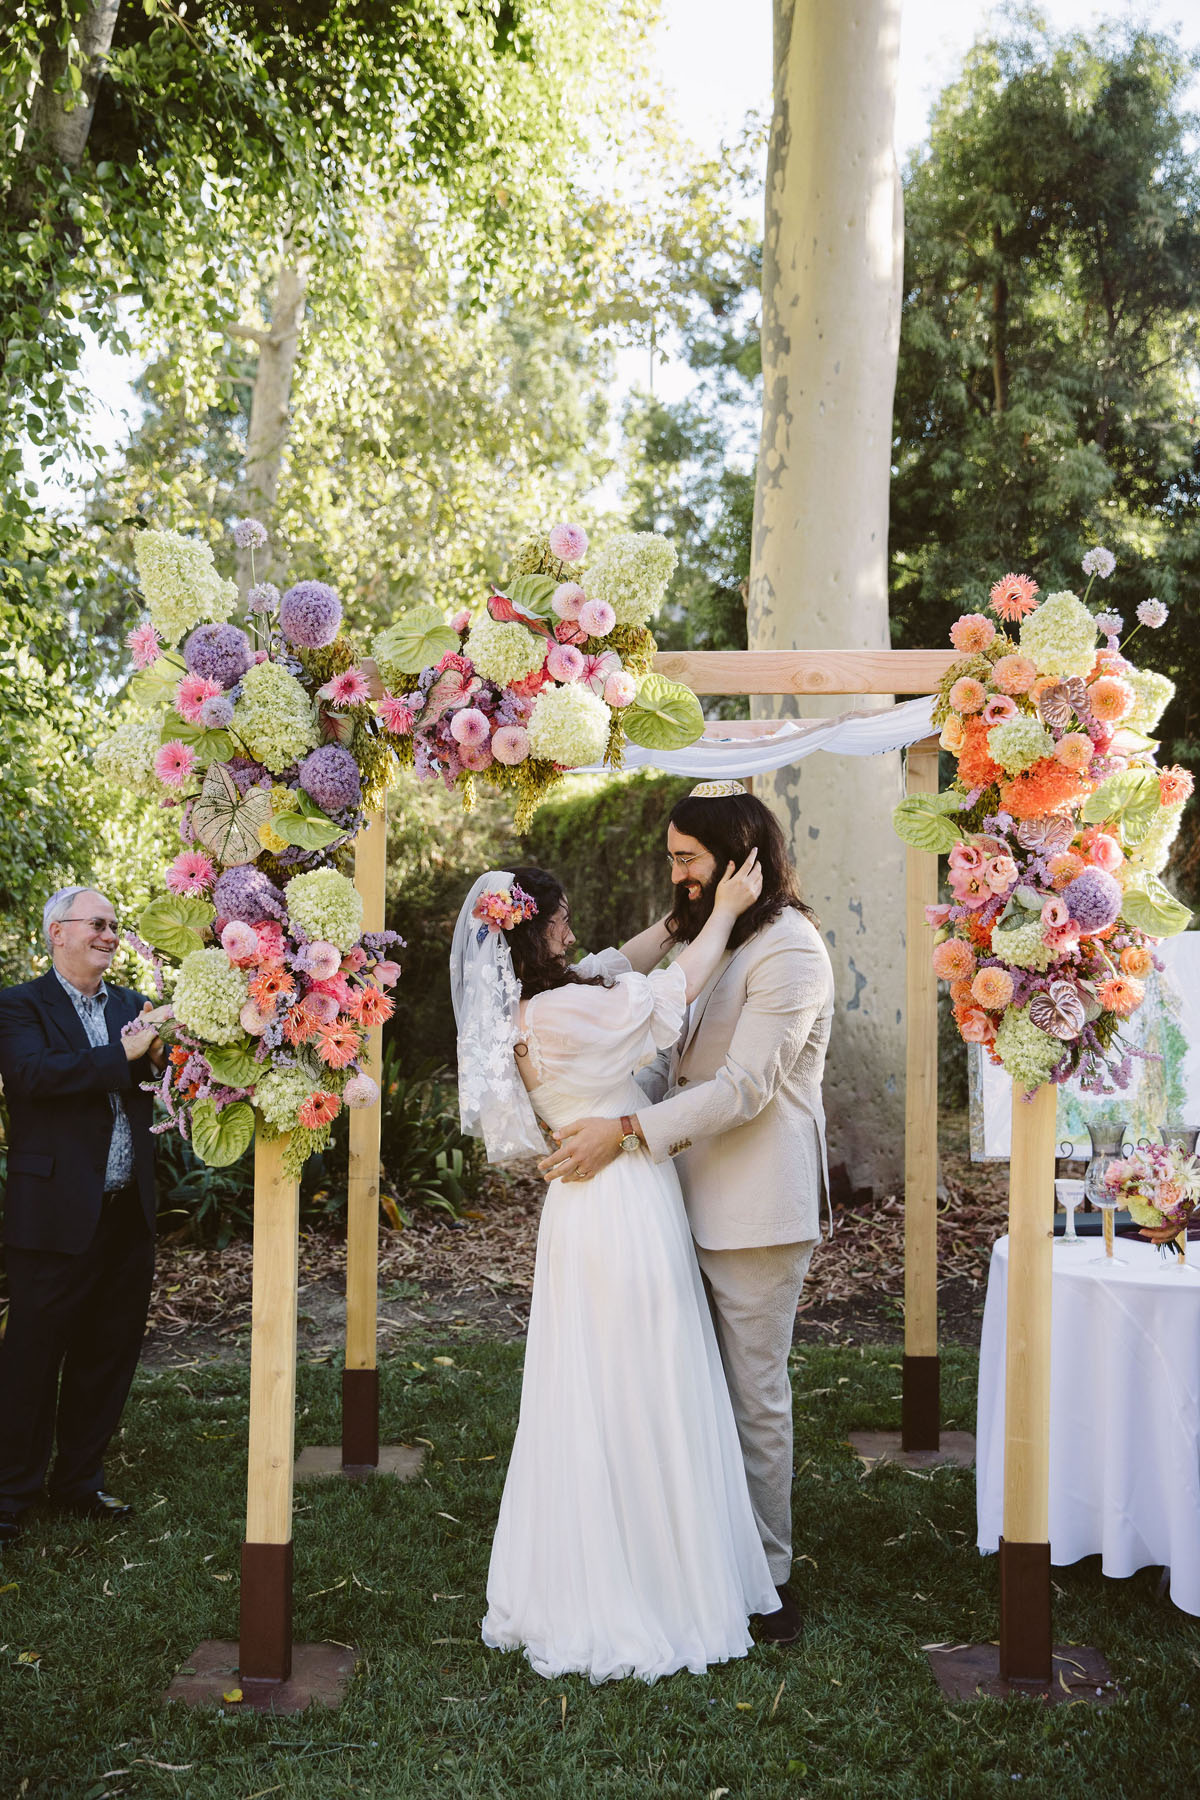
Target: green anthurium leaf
[1129,799]
[922,820]
[226,821]
[664,715]
[417,639]
[175,924]
[155,686]
[534,592]
[233,1065]
[219,1138]
[210,746]
[306,832]
[1148,906]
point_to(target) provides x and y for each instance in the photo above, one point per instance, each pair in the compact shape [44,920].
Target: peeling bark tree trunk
[832,266]
[54,134]
[269,405]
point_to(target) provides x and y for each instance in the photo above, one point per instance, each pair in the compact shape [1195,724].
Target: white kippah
[716,790]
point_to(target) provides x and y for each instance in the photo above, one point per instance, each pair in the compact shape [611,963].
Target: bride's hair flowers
[500,909]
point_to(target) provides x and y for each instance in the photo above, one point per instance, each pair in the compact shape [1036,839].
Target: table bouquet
[1057,828]
[1160,1187]
[263,738]
[554,675]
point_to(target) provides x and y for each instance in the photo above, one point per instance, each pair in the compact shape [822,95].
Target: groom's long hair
[729,827]
[537,967]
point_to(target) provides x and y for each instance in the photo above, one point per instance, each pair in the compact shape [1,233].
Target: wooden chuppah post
[360,1377]
[920,1405]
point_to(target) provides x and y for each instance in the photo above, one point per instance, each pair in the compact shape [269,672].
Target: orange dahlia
[953,960]
[975,766]
[1012,597]
[1063,869]
[1174,784]
[1122,995]
[992,988]
[960,993]
[1015,674]
[1046,788]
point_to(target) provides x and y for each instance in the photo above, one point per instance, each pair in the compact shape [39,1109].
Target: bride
[626,1544]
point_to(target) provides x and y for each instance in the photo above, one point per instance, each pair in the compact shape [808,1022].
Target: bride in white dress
[626,1544]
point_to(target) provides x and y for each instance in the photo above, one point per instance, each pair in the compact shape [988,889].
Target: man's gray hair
[58,906]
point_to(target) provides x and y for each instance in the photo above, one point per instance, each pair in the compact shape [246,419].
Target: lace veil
[493,1102]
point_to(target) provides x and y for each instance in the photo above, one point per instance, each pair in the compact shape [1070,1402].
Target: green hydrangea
[1153,853]
[126,759]
[504,653]
[1154,694]
[274,717]
[326,905]
[1060,637]
[1029,1054]
[631,573]
[569,725]
[1019,743]
[280,1093]
[180,584]
[1022,946]
[209,996]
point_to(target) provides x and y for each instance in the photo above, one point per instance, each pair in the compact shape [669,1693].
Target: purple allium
[568,542]
[264,598]
[249,534]
[1099,562]
[245,893]
[330,777]
[1093,900]
[309,614]
[218,653]
[217,712]
[1110,623]
[1152,613]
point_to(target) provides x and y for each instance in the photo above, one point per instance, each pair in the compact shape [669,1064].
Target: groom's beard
[689,917]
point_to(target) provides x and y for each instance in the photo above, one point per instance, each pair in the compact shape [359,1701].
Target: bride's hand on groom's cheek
[583,1149]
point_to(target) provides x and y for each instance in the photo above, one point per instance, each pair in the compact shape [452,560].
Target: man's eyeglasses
[96,925]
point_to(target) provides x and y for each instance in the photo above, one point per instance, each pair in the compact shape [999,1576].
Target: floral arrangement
[499,909]
[555,674]
[1160,1186]
[264,740]
[1057,828]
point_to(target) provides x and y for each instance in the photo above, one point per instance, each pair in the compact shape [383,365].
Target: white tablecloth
[1124,1411]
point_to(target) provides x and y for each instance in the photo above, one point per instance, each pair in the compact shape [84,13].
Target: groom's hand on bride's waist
[584,1148]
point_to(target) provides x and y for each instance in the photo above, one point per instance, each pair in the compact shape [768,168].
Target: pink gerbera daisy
[350,688]
[191,694]
[337,1045]
[397,718]
[191,873]
[145,645]
[1012,597]
[174,763]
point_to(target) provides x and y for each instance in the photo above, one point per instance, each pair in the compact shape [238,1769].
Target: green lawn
[888,1565]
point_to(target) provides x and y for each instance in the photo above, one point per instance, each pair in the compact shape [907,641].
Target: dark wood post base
[265,1624]
[921,1403]
[360,1419]
[1025,1635]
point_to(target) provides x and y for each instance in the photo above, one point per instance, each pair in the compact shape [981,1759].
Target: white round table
[1124,1411]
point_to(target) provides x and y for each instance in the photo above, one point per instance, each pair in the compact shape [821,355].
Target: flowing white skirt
[626,1543]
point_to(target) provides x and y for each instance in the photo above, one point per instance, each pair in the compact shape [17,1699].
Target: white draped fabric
[1124,1411]
[740,747]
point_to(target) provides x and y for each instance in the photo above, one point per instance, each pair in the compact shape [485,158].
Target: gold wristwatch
[629,1137]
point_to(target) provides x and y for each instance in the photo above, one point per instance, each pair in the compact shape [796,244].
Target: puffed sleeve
[599,1034]
[609,963]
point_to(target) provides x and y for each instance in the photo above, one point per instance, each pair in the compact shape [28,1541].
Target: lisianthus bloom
[1062,939]
[354,960]
[397,717]
[469,726]
[1101,849]
[953,960]
[266,988]
[1111,699]
[1012,597]
[937,915]
[992,988]
[191,694]
[967,857]
[174,763]
[337,1045]
[386,973]
[967,695]
[145,644]
[191,873]
[972,633]
[1174,784]
[1121,995]
[350,688]
[240,942]
[1136,960]
[970,888]
[1000,873]
[976,1027]
[1054,913]
[999,710]
[952,734]
[1015,674]
[318,1110]
[1074,751]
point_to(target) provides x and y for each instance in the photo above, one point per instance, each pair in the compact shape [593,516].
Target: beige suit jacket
[743,1115]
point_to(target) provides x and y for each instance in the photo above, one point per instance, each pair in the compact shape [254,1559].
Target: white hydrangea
[1018,743]
[1023,947]
[504,653]
[1154,694]
[327,907]
[1028,1053]
[274,717]
[126,759]
[1060,637]
[1154,851]
[279,1095]
[569,726]
[209,996]
[180,584]
[631,573]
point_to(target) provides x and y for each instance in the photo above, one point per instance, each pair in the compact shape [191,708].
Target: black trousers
[74,1334]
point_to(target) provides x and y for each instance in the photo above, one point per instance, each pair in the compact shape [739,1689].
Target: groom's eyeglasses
[95,924]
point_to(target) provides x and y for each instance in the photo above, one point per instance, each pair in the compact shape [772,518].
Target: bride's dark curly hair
[537,967]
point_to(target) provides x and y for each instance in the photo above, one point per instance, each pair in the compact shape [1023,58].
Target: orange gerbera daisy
[179,1056]
[1174,784]
[1012,597]
[300,1025]
[373,1006]
[337,1045]
[318,1110]
[1121,995]
[266,988]
[1046,788]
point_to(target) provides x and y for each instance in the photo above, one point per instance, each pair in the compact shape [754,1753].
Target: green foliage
[664,715]
[425,1159]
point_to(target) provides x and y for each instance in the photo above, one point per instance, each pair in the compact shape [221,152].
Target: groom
[742,1116]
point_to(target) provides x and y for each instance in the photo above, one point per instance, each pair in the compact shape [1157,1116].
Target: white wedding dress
[626,1543]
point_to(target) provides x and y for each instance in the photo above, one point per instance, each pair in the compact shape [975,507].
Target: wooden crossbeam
[806,671]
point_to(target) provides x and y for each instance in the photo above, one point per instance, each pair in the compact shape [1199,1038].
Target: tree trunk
[53,133]
[832,266]
[999,330]
[271,400]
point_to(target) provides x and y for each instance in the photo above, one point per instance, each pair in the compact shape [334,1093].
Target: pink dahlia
[476,757]
[1012,597]
[597,618]
[397,718]
[565,662]
[174,763]
[191,694]
[620,689]
[191,873]
[568,598]
[323,1007]
[145,645]
[972,633]
[510,746]
[568,542]
[470,727]
[967,695]
[350,688]
[360,1090]
[321,960]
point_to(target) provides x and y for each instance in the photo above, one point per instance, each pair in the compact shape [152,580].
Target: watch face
[631,1141]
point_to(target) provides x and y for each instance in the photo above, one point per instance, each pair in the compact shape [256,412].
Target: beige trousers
[753,1295]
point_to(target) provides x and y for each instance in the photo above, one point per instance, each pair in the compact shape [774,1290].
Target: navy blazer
[60,1117]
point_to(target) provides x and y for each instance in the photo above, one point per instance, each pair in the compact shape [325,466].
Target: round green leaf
[921,820]
[664,715]
[307,833]
[210,746]
[175,924]
[1148,906]
[1129,799]
[416,640]
[533,592]
[233,1065]
[153,687]
[219,1138]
